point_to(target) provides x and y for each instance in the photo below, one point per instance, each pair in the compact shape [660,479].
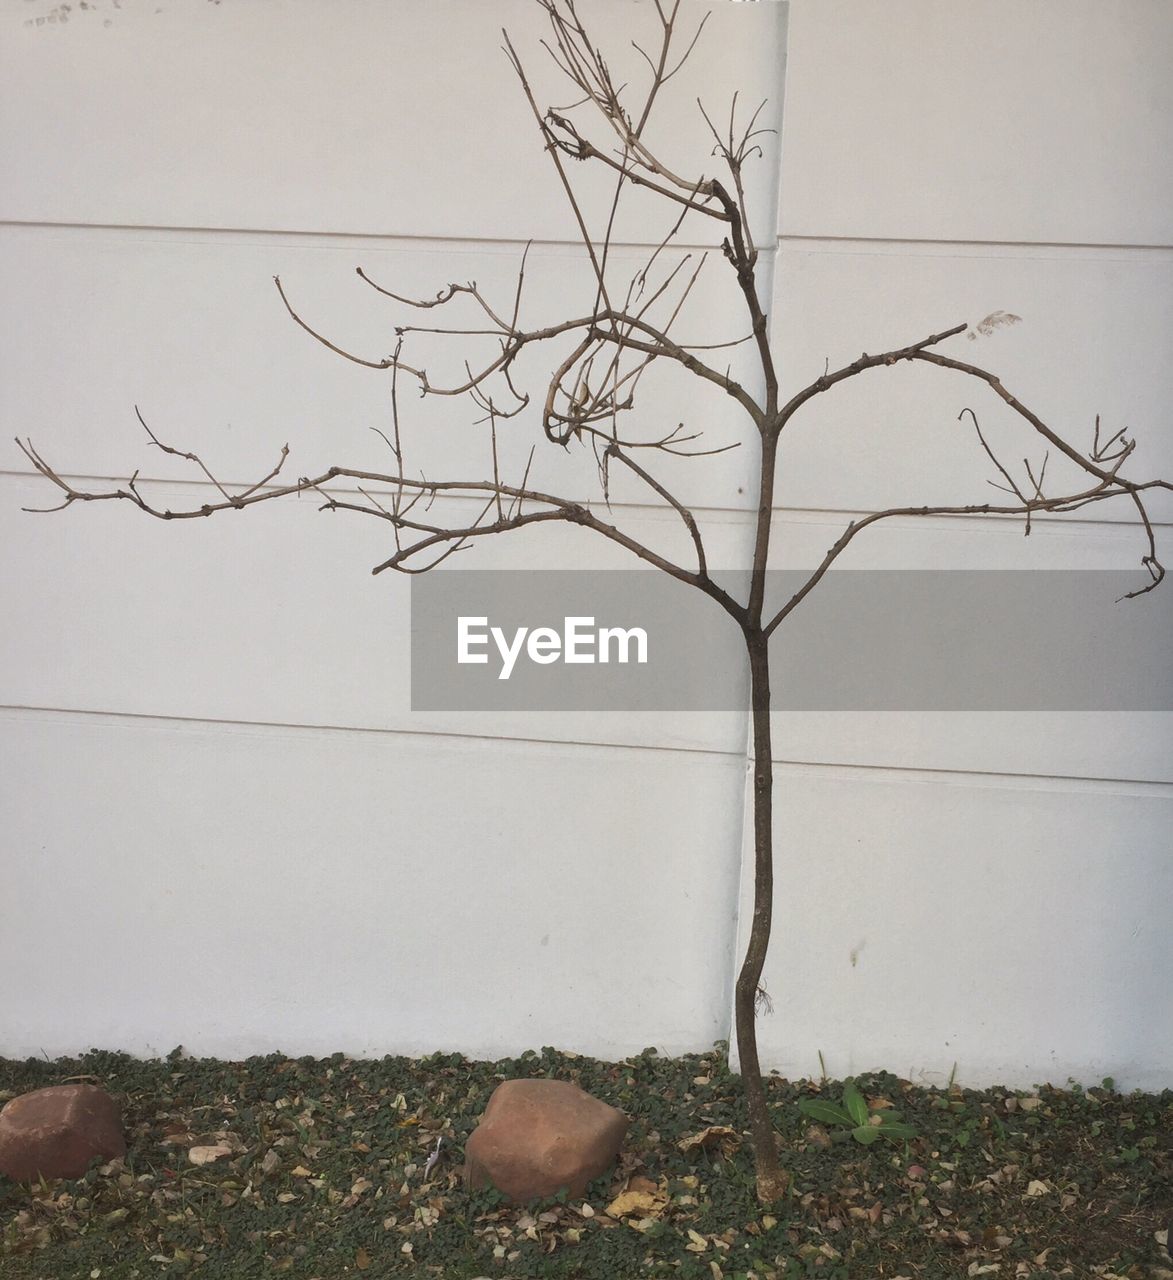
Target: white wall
[224,825]
[983,889]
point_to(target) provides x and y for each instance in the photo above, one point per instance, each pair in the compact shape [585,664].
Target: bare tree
[587,400]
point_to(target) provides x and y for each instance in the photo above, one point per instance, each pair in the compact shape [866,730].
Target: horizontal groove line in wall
[391,237]
[834,514]
[369,238]
[340,729]
[1027,781]
[870,244]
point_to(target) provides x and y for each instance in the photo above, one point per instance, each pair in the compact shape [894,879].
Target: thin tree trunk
[771,1180]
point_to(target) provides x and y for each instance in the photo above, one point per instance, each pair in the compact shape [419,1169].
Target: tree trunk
[771,1180]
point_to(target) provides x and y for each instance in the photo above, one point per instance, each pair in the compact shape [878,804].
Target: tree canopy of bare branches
[588,403]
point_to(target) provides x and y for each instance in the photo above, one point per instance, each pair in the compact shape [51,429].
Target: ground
[321,1174]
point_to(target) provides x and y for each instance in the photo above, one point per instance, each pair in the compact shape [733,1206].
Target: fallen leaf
[639,1183]
[638,1204]
[718,1136]
[362,1260]
[1037,1188]
[817,1136]
[206,1155]
[696,1242]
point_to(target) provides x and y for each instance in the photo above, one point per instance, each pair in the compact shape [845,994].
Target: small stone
[58,1132]
[539,1137]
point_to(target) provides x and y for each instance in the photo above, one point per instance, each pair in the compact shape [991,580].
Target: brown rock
[540,1136]
[58,1132]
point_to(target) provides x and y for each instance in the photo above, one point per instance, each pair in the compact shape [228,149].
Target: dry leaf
[637,1182]
[817,1136]
[720,1136]
[206,1155]
[1037,1188]
[638,1204]
[362,1260]
[696,1242]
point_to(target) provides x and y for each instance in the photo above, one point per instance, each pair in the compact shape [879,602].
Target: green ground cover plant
[320,1172]
[852,1117]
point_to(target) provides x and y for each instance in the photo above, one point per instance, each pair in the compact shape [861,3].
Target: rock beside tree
[540,1137]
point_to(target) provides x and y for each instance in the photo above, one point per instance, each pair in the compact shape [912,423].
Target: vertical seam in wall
[733,916]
